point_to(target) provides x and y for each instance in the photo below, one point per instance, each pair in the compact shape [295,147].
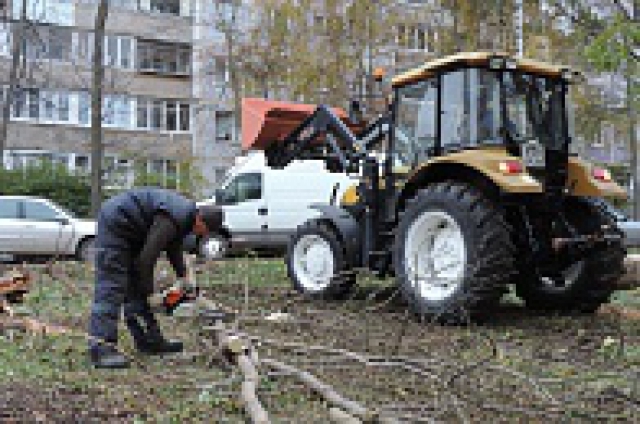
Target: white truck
[264,206]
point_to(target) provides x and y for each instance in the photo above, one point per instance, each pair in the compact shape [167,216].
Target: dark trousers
[116,289]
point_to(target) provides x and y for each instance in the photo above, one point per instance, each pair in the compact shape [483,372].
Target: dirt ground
[515,366]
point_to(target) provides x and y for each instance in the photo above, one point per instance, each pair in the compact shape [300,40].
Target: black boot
[149,339]
[107,357]
[154,343]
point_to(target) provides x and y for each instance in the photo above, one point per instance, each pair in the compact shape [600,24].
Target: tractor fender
[346,227]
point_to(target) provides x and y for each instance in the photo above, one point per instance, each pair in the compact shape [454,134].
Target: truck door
[290,197]
[245,208]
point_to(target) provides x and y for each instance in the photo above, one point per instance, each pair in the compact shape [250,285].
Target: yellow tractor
[468,185]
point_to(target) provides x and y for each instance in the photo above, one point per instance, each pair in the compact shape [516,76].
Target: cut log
[238,351]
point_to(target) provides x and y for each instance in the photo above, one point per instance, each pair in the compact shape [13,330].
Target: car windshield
[534,109]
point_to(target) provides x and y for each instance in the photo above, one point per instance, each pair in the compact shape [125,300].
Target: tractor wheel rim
[313,262]
[435,255]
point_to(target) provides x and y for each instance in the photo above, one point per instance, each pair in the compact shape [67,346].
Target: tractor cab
[477,100]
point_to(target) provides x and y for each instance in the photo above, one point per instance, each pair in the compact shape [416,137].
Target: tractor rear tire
[316,263]
[454,257]
[590,283]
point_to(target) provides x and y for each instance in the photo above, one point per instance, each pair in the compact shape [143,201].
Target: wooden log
[239,352]
[329,393]
[338,416]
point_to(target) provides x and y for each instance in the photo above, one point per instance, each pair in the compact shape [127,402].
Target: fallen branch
[351,408]
[338,416]
[238,352]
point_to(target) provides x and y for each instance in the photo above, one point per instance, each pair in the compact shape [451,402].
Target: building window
[118,50]
[84,108]
[83,48]
[54,106]
[224,126]
[81,164]
[164,58]
[142,114]
[117,111]
[157,112]
[220,173]
[5,39]
[185,117]
[172,116]
[26,104]
[165,6]
[164,115]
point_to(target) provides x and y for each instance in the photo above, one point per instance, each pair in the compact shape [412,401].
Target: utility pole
[17,45]
[97,147]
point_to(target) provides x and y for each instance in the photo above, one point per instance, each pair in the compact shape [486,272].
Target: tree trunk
[233,73]
[16,51]
[96,107]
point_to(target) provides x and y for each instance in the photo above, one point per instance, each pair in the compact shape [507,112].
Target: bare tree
[18,30]
[97,148]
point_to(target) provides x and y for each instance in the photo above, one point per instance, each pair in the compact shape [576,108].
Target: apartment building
[157,115]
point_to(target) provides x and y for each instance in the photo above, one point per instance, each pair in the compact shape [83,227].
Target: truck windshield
[534,109]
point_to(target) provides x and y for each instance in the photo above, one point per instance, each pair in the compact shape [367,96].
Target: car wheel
[86,250]
[215,246]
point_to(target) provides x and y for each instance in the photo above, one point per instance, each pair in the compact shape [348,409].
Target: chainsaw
[170,299]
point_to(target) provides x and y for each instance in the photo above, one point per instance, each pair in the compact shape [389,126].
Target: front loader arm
[339,143]
[323,135]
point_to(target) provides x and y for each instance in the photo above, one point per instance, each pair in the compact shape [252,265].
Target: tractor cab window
[415,135]
[455,119]
[534,109]
[470,108]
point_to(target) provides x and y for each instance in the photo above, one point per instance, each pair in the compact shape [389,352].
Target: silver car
[33,226]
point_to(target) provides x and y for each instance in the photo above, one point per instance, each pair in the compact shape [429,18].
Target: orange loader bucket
[267,121]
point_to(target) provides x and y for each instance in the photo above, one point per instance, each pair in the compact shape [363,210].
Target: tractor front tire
[586,284]
[316,264]
[453,253]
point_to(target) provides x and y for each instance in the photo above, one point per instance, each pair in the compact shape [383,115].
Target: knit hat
[212,215]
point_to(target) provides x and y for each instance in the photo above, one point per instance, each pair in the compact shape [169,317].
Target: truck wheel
[214,247]
[316,264]
[454,256]
[580,286]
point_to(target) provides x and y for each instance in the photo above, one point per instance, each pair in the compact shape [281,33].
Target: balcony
[171,59]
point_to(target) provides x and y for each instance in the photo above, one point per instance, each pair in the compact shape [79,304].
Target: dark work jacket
[126,218]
